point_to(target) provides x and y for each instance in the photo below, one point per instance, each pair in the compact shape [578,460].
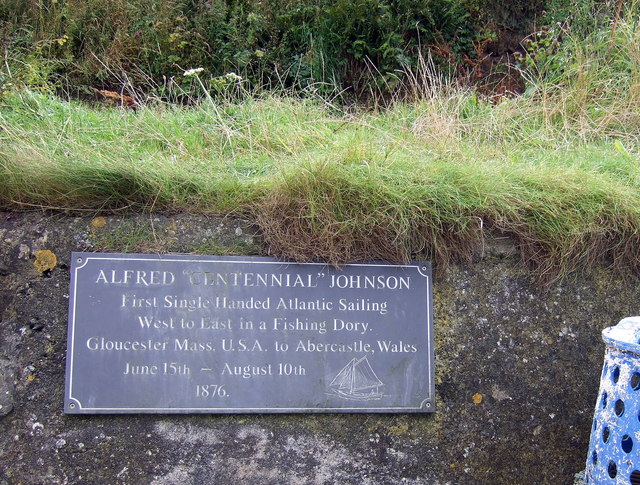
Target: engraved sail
[363,376]
[355,377]
[344,378]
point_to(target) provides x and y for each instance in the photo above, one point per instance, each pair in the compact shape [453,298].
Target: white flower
[193,72]
[232,77]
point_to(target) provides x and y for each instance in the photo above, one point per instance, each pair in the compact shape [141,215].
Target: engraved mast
[357,380]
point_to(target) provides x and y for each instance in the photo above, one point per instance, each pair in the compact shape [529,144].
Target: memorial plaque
[208,334]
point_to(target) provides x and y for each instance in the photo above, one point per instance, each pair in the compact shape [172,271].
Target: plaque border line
[428,401]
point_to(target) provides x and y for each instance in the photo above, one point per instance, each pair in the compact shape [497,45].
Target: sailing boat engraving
[357,381]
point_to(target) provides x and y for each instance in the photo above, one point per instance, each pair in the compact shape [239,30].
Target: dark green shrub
[362,46]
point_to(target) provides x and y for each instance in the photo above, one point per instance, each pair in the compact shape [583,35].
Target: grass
[556,169]
[140,235]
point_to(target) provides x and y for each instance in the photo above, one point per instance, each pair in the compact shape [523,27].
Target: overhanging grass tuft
[561,220]
[343,213]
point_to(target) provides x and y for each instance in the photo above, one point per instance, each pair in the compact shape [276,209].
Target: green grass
[557,169]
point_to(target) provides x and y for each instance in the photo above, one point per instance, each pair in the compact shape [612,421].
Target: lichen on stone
[98,222]
[45,260]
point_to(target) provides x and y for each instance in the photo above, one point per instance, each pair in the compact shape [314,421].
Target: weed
[128,236]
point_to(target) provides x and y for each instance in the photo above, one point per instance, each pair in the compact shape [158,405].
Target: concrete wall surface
[517,372]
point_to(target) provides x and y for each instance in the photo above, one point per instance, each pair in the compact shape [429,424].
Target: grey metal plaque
[209,334]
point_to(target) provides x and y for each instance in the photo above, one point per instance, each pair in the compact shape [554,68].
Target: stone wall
[517,373]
